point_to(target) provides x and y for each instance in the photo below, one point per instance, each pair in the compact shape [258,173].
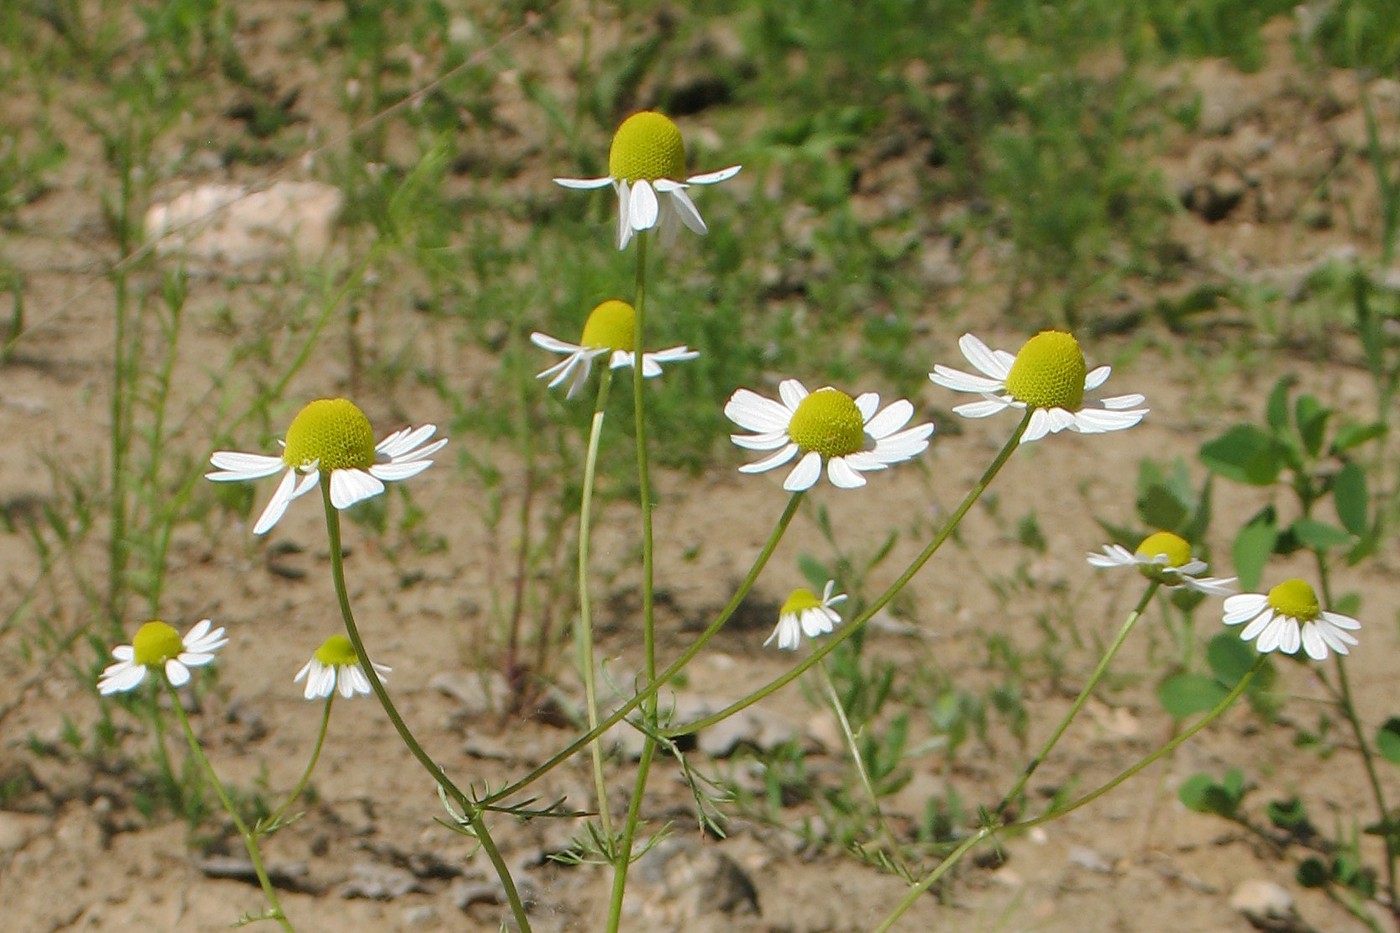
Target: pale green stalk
[985,831]
[272,821]
[863,773]
[623,861]
[584,632]
[1079,700]
[880,602]
[250,841]
[470,810]
[676,666]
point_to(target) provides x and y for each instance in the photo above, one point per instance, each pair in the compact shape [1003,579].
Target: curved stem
[880,602]
[863,773]
[583,634]
[932,877]
[470,810]
[250,841]
[650,690]
[1079,700]
[623,857]
[271,822]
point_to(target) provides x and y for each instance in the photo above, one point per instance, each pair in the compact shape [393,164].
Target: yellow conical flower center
[828,422]
[1049,372]
[1174,547]
[337,651]
[155,643]
[333,432]
[799,602]
[647,146]
[1295,599]
[612,325]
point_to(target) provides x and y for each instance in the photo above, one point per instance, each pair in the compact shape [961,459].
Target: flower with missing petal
[1166,558]
[611,328]
[335,664]
[824,427]
[330,437]
[158,647]
[646,167]
[1049,376]
[805,614]
[1288,617]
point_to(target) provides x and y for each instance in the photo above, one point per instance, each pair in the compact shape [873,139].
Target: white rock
[1258,899]
[230,223]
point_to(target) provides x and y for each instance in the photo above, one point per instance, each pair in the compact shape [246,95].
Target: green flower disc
[612,325]
[155,643]
[828,422]
[1295,599]
[647,146]
[1049,372]
[1177,551]
[332,432]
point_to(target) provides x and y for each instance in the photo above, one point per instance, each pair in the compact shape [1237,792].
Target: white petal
[771,440]
[124,652]
[805,474]
[1099,421]
[1059,419]
[788,631]
[841,474]
[624,227]
[1096,378]
[642,207]
[713,178]
[176,673]
[403,469]
[983,409]
[688,213]
[753,412]
[305,669]
[553,344]
[351,486]
[1337,620]
[240,466]
[276,506]
[120,678]
[583,184]
[867,403]
[770,462]
[893,418]
[1313,642]
[986,361]
[959,381]
[1119,402]
[406,440]
[1036,428]
[673,355]
[792,393]
[1260,624]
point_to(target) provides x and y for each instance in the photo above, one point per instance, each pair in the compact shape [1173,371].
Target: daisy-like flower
[158,647]
[1166,558]
[646,165]
[805,614]
[825,426]
[1288,617]
[1049,376]
[335,663]
[331,437]
[611,328]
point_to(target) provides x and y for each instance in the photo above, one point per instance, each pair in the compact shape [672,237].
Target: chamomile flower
[335,664]
[611,328]
[1289,617]
[1166,558]
[158,647]
[805,614]
[824,427]
[646,165]
[330,437]
[1050,377]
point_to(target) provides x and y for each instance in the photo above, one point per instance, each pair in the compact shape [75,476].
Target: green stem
[927,881]
[863,773]
[880,602]
[650,689]
[250,841]
[271,822]
[470,811]
[623,861]
[584,632]
[1079,701]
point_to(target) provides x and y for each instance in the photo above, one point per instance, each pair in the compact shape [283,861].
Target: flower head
[1165,558]
[330,436]
[825,426]
[611,328]
[1049,376]
[805,614]
[647,159]
[1289,616]
[157,646]
[335,663]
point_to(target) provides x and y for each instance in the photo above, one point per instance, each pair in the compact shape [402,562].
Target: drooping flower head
[336,664]
[647,159]
[1166,558]
[331,437]
[1049,376]
[805,614]
[159,647]
[825,427]
[1288,617]
[611,328]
